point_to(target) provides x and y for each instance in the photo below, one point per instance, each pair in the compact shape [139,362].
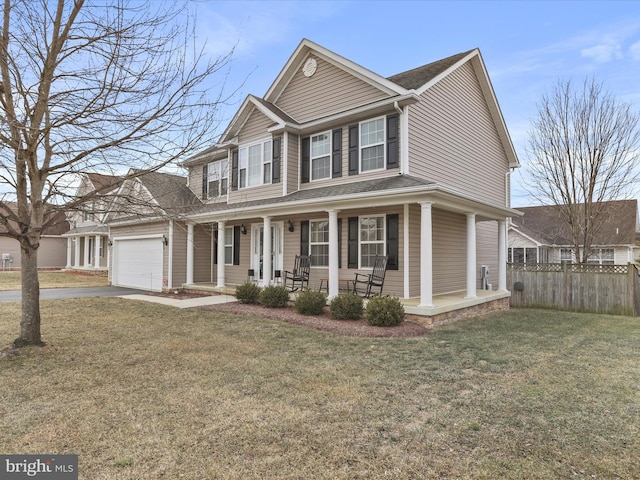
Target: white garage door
[138,264]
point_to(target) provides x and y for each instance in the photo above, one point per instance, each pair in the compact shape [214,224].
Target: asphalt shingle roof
[417,77]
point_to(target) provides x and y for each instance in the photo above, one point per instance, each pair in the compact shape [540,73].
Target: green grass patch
[55,279]
[140,390]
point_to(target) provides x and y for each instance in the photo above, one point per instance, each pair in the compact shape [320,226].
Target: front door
[257,239]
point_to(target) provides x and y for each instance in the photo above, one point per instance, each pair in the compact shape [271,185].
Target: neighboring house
[87,240]
[541,236]
[51,252]
[341,164]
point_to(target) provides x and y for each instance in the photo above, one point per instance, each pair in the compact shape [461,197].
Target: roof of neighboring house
[58,226]
[104,183]
[545,224]
[417,77]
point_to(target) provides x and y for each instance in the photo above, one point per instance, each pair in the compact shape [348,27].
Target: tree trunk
[30,323]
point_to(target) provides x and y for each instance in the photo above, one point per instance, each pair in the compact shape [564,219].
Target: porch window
[319,243]
[372,145]
[321,156]
[218,181]
[255,164]
[601,256]
[566,255]
[371,239]
[228,245]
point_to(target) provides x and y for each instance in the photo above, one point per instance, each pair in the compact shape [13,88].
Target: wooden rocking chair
[299,277]
[368,284]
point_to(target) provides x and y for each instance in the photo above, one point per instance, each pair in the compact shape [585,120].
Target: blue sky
[527,46]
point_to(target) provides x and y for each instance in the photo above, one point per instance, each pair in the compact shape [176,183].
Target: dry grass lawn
[55,279]
[142,391]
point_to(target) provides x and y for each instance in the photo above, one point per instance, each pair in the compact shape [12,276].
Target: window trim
[381,218]
[244,183]
[312,243]
[329,156]
[228,245]
[214,168]
[383,144]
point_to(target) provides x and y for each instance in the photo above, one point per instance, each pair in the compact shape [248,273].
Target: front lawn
[55,279]
[143,391]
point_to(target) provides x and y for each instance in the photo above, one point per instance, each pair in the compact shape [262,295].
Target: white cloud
[634,51]
[603,53]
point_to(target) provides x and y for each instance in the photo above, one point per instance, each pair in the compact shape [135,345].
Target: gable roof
[168,190]
[545,225]
[57,223]
[417,77]
[104,183]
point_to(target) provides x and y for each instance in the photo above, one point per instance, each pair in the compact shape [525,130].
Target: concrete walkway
[186,303]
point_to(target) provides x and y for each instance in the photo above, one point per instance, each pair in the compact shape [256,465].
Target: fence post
[565,286]
[631,288]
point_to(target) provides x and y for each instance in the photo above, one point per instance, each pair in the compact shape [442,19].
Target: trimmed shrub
[248,292]
[346,306]
[274,296]
[384,312]
[310,302]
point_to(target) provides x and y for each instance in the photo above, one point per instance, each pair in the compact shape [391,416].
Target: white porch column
[471,255]
[502,255]
[334,254]
[68,265]
[96,251]
[169,257]
[190,248]
[426,256]
[86,252]
[76,253]
[221,259]
[108,247]
[266,253]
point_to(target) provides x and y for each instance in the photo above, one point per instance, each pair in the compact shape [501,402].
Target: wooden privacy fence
[612,289]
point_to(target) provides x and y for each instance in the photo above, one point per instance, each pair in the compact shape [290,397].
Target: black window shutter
[205,177]
[304,237]
[392,141]
[234,170]
[306,159]
[215,246]
[336,153]
[353,243]
[339,243]
[236,245]
[275,161]
[393,240]
[353,149]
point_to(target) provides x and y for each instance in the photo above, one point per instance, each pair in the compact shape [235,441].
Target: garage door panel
[138,264]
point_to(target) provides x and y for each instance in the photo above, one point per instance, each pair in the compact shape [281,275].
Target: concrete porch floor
[448,306]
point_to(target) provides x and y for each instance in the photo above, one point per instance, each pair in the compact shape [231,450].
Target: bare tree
[92,87]
[583,151]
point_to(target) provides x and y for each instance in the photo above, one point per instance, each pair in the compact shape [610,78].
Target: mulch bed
[351,328]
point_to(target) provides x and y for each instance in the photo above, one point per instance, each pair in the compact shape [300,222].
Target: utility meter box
[6,257]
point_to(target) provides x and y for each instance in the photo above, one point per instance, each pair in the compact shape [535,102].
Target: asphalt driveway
[60,293]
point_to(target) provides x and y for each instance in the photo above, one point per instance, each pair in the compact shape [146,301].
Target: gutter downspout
[404,137]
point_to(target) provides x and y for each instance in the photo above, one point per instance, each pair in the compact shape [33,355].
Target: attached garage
[137,263]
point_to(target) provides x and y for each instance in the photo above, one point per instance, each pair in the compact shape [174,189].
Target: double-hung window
[319,243]
[228,245]
[372,240]
[372,136]
[218,181]
[254,164]
[566,255]
[601,256]
[321,156]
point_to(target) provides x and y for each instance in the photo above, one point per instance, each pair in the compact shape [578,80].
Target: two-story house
[342,164]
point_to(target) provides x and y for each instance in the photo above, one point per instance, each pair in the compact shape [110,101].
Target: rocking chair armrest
[366,276]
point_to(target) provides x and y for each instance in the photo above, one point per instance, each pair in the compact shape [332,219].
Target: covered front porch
[87,248]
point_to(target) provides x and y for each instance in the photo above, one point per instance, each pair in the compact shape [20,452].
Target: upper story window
[372,141]
[321,156]
[255,164]
[218,179]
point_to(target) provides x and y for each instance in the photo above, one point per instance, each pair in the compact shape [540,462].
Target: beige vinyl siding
[293,159]
[255,128]
[329,90]
[453,141]
[237,274]
[202,253]
[195,180]
[52,252]
[487,251]
[179,254]
[449,251]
